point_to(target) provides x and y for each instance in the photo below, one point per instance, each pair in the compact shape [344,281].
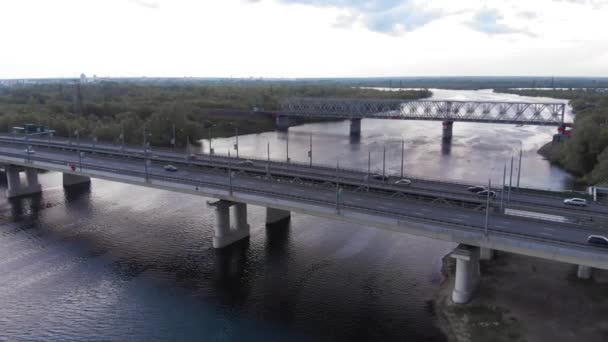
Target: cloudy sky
[303,38]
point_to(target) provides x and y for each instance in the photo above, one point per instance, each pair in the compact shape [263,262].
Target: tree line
[107,109]
[585,153]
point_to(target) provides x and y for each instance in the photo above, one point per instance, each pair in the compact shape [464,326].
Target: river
[120,262]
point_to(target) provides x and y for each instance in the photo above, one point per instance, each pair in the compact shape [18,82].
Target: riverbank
[525,299]
[550,151]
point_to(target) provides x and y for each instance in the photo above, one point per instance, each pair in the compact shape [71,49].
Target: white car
[576,201]
[170,168]
[404,181]
[29,150]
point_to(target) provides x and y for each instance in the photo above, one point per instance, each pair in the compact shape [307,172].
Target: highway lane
[550,204]
[364,201]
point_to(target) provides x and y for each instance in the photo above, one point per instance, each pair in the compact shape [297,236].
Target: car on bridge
[245,163]
[29,150]
[476,189]
[598,240]
[484,193]
[581,202]
[170,168]
[404,182]
[378,176]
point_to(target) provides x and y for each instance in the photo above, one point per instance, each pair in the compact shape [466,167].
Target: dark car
[598,240]
[476,189]
[379,177]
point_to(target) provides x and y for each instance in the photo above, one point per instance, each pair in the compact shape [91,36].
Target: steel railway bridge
[518,113]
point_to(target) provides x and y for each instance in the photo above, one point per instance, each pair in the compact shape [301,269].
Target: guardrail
[146,178]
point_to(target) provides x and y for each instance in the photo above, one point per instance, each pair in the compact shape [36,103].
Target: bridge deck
[565,242]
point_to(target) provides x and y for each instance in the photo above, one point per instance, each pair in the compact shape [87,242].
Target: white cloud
[273,38]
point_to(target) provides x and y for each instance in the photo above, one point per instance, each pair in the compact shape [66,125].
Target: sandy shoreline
[526,299]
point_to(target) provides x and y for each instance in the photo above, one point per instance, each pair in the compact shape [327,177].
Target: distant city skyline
[303,38]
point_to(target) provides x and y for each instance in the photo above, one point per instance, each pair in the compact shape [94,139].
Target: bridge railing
[294,165]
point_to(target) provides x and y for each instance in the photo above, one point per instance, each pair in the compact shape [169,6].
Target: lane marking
[457,220]
[546,234]
[499,226]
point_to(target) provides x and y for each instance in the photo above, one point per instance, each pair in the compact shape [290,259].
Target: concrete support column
[240,217]
[447,130]
[13,181]
[224,234]
[282,122]
[355,127]
[275,216]
[32,178]
[70,179]
[16,188]
[467,273]
[486,254]
[584,272]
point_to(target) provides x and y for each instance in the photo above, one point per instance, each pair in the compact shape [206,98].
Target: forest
[105,109]
[585,153]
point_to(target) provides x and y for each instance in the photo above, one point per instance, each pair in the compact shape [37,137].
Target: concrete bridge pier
[448,127]
[584,272]
[225,234]
[282,122]
[276,216]
[486,254]
[70,179]
[355,127]
[15,187]
[467,273]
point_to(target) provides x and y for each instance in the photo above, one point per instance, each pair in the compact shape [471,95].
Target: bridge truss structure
[537,113]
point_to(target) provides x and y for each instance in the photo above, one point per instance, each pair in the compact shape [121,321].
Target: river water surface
[120,262]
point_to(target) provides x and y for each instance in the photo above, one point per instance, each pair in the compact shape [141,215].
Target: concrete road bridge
[517,113]
[430,208]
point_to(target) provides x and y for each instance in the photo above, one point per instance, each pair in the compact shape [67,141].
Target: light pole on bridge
[521,145]
[502,193]
[287,146]
[402,155]
[310,150]
[369,167]
[488,207]
[510,181]
[384,164]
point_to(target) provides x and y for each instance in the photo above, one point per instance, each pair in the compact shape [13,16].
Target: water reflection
[446,147]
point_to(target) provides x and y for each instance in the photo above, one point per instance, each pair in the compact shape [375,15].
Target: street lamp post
[402,155]
[122,136]
[383,163]
[230,173]
[502,193]
[268,158]
[369,168]
[173,141]
[519,167]
[510,181]
[488,206]
[236,146]
[287,147]
[337,186]
[310,150]
[210,141]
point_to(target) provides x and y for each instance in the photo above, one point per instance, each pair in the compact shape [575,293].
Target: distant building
[83,78]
